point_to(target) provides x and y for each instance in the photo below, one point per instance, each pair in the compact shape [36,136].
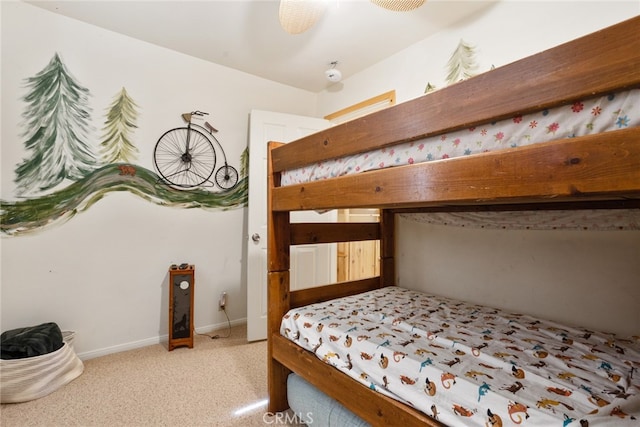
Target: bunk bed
[309,329]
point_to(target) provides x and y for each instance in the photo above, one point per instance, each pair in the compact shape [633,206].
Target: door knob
[255,237]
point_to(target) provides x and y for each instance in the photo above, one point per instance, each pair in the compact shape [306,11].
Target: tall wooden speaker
[181,290]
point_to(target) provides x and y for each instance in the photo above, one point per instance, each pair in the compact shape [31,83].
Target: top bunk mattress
[468,364]
[601,114]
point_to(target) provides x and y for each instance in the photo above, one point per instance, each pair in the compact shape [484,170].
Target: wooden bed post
[278,247]
[387,248]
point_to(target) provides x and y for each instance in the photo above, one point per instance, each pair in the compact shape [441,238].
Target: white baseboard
[217,327]
[154,340]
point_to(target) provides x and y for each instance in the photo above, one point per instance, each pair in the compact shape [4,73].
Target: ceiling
[247,36]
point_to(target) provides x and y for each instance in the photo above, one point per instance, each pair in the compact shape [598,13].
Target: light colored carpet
[203,386]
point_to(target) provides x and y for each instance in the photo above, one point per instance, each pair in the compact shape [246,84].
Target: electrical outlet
[222,303]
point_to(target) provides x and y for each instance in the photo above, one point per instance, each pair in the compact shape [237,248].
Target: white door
[310,264]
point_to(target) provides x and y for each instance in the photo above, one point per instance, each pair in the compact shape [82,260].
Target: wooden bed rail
[598,63]
[593,167]
[312,233]
[308,296]
[376,409]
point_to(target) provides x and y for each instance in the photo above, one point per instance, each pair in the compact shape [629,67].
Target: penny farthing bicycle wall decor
[185,157]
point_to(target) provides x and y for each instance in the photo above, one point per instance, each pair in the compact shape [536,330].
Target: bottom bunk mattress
[468,364]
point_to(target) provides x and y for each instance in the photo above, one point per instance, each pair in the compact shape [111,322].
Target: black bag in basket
[31,341]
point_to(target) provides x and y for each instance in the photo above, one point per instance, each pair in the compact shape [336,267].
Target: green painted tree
[244,162]
[462,63]
[429,88]
[56,123]
[116,145]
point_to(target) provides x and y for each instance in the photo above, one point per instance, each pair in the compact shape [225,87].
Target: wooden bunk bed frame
[597,171]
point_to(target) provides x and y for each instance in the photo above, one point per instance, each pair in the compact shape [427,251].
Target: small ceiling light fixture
[333,74]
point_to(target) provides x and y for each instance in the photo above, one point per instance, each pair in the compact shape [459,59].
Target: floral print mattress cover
[606,113]
[466,364]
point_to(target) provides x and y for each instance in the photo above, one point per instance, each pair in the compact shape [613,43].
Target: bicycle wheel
[181,168]
[227,177]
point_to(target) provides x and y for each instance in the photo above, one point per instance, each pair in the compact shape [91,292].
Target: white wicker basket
[30,378]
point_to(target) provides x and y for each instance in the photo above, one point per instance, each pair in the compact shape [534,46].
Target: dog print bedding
[471,365]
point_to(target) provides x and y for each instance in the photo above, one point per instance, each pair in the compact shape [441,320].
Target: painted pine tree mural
[56,123]
[462,63]
[116,145]
[429,88]
[244,162]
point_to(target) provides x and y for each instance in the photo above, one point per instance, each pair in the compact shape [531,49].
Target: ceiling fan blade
[297,16]
[399,5]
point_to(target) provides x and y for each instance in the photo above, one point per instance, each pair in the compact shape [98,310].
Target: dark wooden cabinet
[181,292]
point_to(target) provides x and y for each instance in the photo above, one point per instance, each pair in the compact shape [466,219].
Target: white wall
[103,274]
[589,278]
[504,32]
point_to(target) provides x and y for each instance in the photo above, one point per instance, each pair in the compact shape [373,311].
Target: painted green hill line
[27,215]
